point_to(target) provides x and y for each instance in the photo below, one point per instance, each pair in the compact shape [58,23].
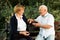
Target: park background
[31,11]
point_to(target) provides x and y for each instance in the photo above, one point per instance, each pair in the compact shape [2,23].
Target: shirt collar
[20,17]
[45,15]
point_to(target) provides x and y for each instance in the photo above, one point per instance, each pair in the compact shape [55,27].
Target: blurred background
[31,11]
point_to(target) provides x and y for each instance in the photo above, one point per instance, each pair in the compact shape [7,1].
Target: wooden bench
[34,31]
[57,30]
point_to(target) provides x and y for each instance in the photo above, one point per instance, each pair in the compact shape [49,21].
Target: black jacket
[14,34]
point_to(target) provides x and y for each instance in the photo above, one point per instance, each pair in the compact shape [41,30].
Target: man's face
[42,11]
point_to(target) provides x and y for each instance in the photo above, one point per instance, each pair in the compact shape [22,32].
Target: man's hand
[25,33]
[30,20]
[36,24]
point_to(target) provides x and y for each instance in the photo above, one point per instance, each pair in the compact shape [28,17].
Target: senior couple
[19,29]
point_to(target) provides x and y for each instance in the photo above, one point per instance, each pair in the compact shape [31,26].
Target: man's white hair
[43,6]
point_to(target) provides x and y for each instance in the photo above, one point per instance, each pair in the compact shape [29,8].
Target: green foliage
[56,14]
[31,11]
[5,11]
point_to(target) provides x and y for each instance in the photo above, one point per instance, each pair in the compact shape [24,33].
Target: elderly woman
[18,25]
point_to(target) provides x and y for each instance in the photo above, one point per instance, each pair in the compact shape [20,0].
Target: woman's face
[21,11]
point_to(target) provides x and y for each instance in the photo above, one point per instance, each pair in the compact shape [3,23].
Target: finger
[28,20]
[27,34]
[34,23]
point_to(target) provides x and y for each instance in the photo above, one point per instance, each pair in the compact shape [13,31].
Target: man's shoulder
[39,16]
[50,15]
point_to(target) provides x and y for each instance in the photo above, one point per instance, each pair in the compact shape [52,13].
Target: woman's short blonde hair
[18,8]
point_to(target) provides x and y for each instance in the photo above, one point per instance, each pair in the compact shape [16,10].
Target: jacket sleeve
[13,27]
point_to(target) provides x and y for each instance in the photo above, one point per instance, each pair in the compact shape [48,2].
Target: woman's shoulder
[13,17]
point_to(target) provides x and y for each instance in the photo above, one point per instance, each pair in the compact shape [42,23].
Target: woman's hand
[25,33]
[30,20]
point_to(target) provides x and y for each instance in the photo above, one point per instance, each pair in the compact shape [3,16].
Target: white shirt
[46,19]
[21,25]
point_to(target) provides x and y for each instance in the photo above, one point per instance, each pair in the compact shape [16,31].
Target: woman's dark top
[14,34]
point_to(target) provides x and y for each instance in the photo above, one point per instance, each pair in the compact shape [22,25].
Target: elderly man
[45,21]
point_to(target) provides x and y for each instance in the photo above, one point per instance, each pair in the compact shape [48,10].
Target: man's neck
[44,14]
